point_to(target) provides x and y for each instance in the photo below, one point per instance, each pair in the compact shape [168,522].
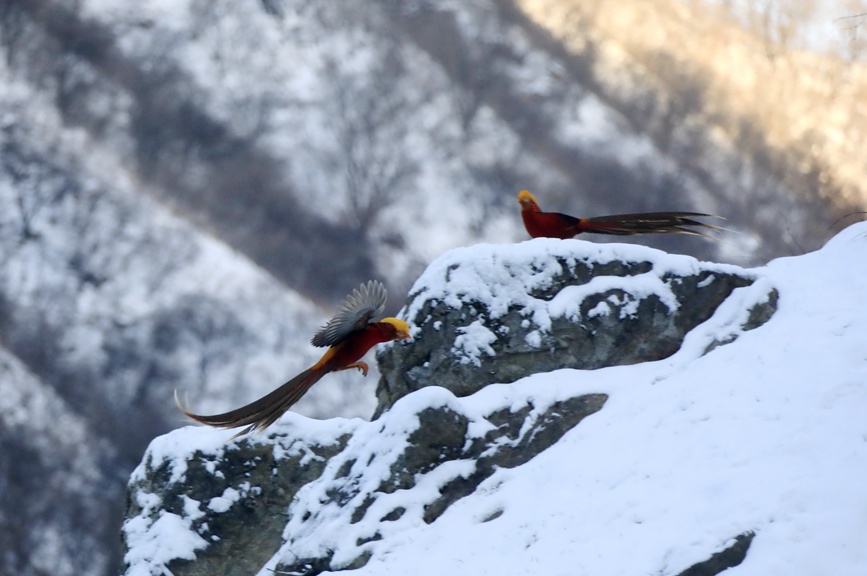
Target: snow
[766,434]
[170,536]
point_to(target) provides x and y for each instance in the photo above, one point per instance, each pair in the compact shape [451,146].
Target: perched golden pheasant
[556,225]
[349,335]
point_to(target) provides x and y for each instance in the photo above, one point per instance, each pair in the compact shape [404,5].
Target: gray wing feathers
[366,302]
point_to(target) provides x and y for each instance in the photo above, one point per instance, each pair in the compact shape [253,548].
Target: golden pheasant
[349,335]
[556,225]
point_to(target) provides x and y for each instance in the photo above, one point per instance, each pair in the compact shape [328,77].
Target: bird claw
[362,366]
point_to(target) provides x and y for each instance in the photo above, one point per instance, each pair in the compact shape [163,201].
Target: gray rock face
[258,479]
[557,305]
[721,561]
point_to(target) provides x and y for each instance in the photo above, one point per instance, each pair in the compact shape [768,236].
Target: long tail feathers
[263,412]
[649,223]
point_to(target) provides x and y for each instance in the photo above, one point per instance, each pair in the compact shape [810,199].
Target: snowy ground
[766,434]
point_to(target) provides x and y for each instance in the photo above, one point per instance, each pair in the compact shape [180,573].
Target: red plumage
[541,224]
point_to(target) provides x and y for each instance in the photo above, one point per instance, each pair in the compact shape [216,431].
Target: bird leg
[360,365]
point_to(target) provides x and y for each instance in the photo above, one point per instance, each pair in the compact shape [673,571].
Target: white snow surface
[765,434]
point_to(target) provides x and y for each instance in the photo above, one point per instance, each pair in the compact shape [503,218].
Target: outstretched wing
[357,310]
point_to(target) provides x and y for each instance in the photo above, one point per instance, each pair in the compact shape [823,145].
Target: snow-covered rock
[497,313]
[226,503]
[744,450]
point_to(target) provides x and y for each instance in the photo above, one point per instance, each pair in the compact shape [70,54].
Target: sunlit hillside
[812,106]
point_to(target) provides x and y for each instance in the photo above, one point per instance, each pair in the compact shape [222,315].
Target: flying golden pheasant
[556,225]
[349,335]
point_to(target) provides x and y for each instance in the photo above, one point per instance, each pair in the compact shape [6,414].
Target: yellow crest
[525,197]
[400,326]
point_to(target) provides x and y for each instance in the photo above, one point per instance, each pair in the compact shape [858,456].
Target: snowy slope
[766,434]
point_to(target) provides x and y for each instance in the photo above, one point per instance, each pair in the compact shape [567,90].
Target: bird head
[526,199]
[401,328]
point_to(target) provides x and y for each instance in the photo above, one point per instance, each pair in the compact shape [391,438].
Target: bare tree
[371,120]
[853,29]
[34,188]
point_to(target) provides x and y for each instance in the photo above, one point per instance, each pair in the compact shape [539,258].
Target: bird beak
[403,335]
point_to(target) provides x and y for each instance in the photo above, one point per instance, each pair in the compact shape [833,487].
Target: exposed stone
[621,312]
[242,538]
[730,557]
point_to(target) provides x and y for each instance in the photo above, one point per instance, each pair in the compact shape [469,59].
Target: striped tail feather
[648,223]
[263,412]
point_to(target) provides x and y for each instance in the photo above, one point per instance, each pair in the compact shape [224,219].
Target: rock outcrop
[236,497]
[547,305]
[315,496]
